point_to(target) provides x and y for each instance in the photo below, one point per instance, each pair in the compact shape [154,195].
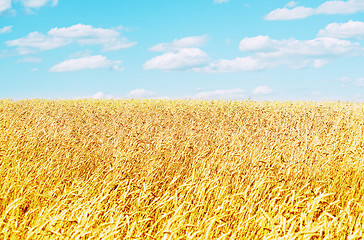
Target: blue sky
[211,49]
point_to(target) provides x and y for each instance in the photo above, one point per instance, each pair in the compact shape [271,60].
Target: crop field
[181,169]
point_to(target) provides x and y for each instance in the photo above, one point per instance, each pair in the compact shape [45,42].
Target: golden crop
[181,169]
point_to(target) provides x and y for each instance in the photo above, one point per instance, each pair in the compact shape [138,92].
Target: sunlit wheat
[181,169]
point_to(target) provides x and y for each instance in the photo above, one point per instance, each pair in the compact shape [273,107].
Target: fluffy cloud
[98,95]
[91,62]
[80,31]
[346,80]
[240,64]
[180,59]
[298,53]
[38,3]
[340,7]
[221,1]
[101,95]
[140,93]
[260,43]
[360,82]
[262,90]
[322,46]
[180,54]
[236,93]
[264,52]
[81,34]
[271,53]
[136,93]
[187,42]
[5,29]
[89,35]
[4,5]
[291,4]
[29,60]
[351,29]
[289,14]
[328,7]
[36,40]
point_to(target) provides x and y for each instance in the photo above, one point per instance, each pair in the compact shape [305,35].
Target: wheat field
[181,169]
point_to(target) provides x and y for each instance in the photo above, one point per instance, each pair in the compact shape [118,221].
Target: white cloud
[318,47]
[360,82]
[29,60]
[91,62]
[89,35]
[39,41]
[180,54]
[236,93]
[5,29]
[262,90]
[256,43]
[291,4]
[344,80]
[98,95]
[240,64]
[140,93]
[265,53]
[101,95]
[328,7]
[290,13]
[187,42]
[298,53]
[351,29]
[341,7]
[347,80]
[28,4]
[37,3]
[271,53]
[80,31]
[221,1]
[81,34]
[180,59]
[4,5]
[79,54]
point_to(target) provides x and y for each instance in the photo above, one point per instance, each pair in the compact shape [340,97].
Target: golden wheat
[181,169]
